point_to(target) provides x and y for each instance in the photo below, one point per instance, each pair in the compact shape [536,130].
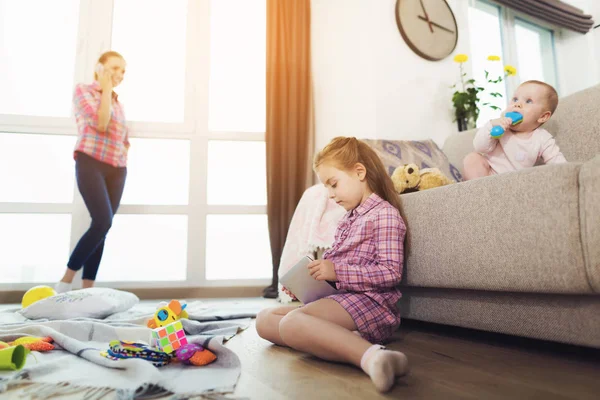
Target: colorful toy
[36,293]
[168,338]
[189,354]
[13,358]
[13,354]
[121,349]
[167,314]
[516,118]
[34,343]
[194,354]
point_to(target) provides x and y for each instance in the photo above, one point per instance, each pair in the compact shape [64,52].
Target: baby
[522,145]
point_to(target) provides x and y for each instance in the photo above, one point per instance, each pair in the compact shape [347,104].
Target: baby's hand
[286,291]
[504,122]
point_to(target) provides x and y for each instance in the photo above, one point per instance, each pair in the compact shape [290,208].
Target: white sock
[383,366]
[63,287]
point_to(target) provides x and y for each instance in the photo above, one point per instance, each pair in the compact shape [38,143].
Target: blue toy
[516,117]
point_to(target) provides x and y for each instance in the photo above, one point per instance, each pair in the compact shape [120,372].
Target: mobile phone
[99,68]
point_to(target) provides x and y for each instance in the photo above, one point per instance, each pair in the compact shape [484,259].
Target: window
[145,248]
[151,36]
[498,30]
[535,53]
[236,160]
[35,247]
[36,168]
[486,39]
[238,34]
[237,172]
[158,172]
[37,50]
[251,257]
[193,212]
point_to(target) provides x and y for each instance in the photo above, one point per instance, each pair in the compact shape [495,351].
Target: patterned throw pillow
[424,153]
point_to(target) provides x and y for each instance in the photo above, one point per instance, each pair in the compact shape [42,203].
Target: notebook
[307,289]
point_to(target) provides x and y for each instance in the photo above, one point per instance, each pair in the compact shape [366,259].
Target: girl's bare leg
[325,329]
[267,323]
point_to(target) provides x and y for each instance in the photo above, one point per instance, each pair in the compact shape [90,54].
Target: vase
[463,124]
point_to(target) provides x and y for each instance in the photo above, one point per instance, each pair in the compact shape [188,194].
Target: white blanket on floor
[78,363]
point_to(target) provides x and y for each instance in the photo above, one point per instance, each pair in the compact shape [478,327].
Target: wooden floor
[446,363]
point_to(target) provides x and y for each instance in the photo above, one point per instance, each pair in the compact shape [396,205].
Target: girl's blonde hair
[104,57]
[345,152]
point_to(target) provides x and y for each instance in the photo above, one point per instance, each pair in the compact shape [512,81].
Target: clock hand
[435,24]
[426,16]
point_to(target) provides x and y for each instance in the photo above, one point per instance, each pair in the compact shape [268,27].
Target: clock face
[428,27]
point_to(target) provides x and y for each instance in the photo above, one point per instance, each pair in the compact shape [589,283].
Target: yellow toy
[408,178]
[37,293]
[167,314]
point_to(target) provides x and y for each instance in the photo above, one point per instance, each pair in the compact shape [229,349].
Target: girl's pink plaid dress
[368,253]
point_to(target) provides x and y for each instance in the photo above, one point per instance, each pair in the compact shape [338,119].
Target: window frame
[508,18]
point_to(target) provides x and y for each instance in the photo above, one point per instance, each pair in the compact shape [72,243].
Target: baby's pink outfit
[512,152]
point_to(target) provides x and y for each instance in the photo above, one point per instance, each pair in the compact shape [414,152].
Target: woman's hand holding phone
[105,78]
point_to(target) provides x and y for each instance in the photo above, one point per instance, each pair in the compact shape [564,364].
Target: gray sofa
[517,253]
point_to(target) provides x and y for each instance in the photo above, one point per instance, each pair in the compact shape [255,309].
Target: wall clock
[428,27]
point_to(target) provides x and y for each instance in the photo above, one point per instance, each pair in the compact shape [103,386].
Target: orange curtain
[289,125]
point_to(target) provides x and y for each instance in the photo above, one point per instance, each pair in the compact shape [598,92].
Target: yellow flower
[510,70]
[493,58]
[461,58]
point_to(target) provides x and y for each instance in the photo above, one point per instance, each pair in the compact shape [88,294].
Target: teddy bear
[409,178]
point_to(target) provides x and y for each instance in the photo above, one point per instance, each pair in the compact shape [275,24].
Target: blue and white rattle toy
[516,117]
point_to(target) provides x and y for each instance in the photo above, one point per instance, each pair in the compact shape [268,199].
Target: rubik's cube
[168,338]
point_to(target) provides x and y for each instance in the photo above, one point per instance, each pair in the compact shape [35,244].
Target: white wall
[369,84]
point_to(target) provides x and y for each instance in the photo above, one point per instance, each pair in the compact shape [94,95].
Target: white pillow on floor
[88,303]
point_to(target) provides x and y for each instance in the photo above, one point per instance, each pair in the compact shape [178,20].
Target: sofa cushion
[589,211]
[576,125]
[457,146]
[424,153]
[514,232]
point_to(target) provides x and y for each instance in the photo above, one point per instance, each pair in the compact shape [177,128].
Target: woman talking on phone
[100,163]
